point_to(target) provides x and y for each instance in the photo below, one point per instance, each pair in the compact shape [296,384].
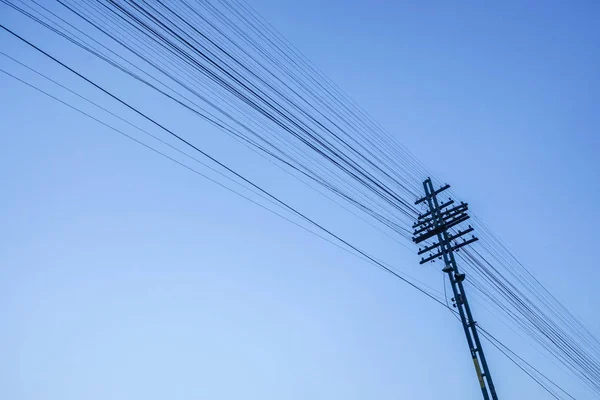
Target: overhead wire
[286,206]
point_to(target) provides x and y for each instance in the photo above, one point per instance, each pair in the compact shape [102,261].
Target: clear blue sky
[123,276]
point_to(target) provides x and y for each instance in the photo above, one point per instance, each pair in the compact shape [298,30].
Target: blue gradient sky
[124,276]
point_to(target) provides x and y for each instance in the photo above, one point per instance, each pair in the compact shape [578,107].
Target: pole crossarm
[452,237]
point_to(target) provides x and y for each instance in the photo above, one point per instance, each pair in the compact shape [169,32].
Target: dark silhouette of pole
[435,224]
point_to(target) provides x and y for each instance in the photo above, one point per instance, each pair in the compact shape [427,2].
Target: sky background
[124,276]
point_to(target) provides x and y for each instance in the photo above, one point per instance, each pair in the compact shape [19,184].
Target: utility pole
[436,223]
